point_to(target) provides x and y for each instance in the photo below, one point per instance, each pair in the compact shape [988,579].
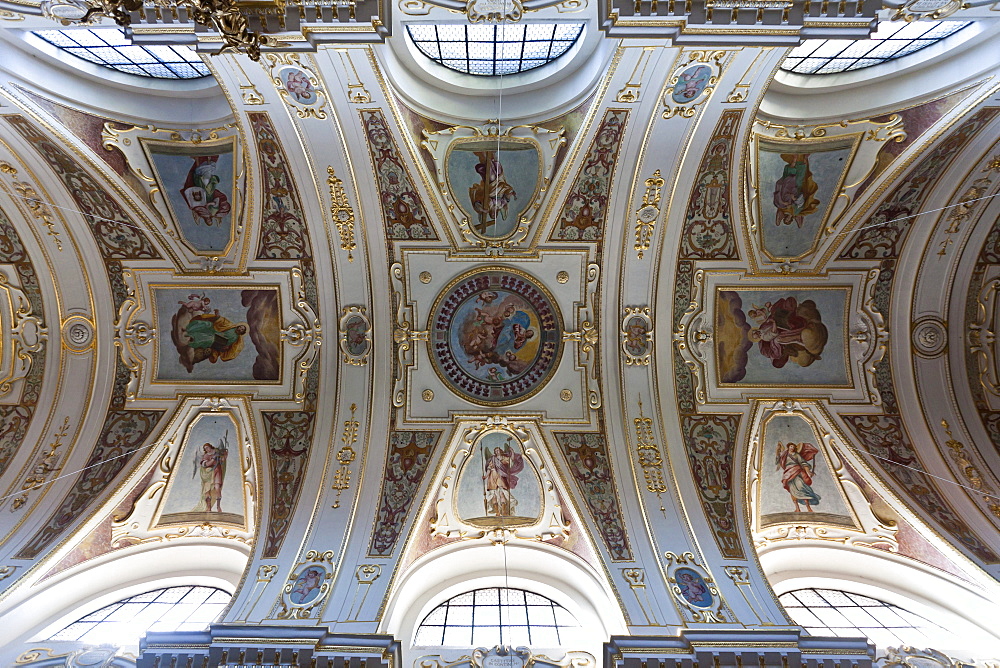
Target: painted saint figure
[795,192]
[500,479]
[211,467]
[214,337]
[788,331]
[796,459]
[492,195]
[201,193]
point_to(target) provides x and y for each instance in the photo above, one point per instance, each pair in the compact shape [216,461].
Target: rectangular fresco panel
[206,484]
[226,335]
[797,184]
[197,183]
[782,337]
[796,482]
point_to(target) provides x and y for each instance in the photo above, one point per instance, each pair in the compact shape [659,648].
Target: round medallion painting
[495,336]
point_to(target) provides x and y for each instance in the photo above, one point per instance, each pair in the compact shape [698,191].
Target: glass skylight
[170,609]
[498,616]
[494,49]
[110,48]
[892,40]
[830,612]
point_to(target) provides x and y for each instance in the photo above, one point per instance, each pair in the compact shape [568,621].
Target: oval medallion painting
[495,336]
[693,587]
[691,82]
[298,84]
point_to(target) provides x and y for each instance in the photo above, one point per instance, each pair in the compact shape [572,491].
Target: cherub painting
[495,336]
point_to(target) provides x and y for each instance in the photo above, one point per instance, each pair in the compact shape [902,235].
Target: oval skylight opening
[494,49]
[892,40]
[108,47]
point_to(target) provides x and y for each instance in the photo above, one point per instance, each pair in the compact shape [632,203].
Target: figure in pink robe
[797,461]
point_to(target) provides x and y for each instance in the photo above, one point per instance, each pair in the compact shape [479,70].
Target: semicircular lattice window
[108,47]
[168,609]
[498,616]
[890,41]
[831,612]
[494,49]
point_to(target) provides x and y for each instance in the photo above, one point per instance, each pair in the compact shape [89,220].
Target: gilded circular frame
[495,336]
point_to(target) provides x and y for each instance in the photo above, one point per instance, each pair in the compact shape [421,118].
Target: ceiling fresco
[345,328]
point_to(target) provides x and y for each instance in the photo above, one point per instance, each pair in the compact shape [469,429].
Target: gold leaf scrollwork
[37,207]
[649,455]
[646,215]
[342,213]
[342,476]
[630,92]
[45,465]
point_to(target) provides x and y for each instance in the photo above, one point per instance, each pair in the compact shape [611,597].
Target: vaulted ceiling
[649,266]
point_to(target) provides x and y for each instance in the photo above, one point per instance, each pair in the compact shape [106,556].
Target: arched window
[492,49]
[892,40]
[168,609]
[497,616]
[108,47]
[831,612]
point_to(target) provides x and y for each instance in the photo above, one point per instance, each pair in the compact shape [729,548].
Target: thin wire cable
[920,213]
[72,473]
[501,28]
[82,213]
[937,477]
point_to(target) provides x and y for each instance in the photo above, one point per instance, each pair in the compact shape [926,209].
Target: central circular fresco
[495,335]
